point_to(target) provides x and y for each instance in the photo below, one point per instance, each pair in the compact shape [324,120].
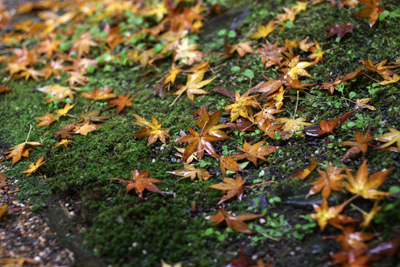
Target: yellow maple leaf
[59,92]
[34,166]
[86,128]
[64,111]
[263,31]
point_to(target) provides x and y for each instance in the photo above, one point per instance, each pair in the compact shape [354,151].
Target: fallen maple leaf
[317,53]
[241,48]
[82,44]
[199,142]
[327,127]
[187,53]
[34,166]
[330,215]
[20,150]
[234,222]
[362,103]
[192,172]
[233,187]
[363,186]
[210,123]
[296,68]
[360,145]
[390,138]
[3,209]
[64,142]
[97,94]
[193,84]
[64,111]
[339,30]
[353,240]
[5,89]
[121,102]
[329,180]
[242,106]
[46,120]
[164,264]
[153,130]
[305,172]
[292,125]
[254,152]
[271,54]
[372,11]
[86,128]
[140,183]
[263,31]
[59,92]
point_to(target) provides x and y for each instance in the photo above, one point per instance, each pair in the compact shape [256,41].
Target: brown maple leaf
[234,222]
[372,11]
[268,128]
[153,130]
[363,186]
[121,102]
[241,125]
[329,180]
[65,132]
[140,183]
[198,142]
[254,152]
[189,171]
[271,54]
[34,166]
[360,145]
[339,30]
[233,187]
[5,89]
[228,163]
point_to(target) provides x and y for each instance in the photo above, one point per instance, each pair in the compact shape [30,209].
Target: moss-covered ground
[125,230]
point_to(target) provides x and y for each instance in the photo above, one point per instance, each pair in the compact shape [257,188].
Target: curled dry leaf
[305,172]
[390,138]
[235,222]
[362,103]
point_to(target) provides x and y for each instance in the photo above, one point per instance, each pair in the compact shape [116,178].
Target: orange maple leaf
[121,102]
[305,172]
[363,186]
[330,215]
[82,44]
[233,187]
[140,183]
[97,94]
[20,150]
[86,128]
[235,222]
[199,142]
[254,152]
[329,180]
[46,120]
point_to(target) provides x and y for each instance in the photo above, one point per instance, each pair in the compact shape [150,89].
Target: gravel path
[25,236]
